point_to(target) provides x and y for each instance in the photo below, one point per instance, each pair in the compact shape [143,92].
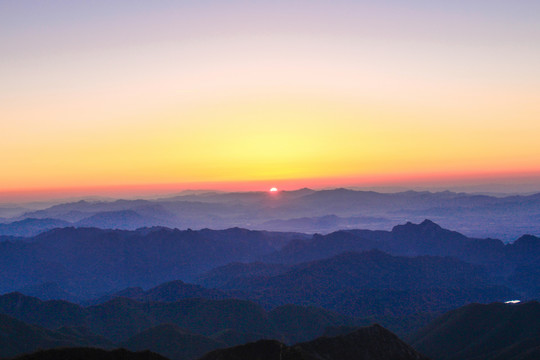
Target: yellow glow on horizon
[233,141]
[242,93]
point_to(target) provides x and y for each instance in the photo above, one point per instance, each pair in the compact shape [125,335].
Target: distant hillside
[513,264]
[426,238]
[122,219]
[376,284]
[48,291]
[167,292]
[17,337]
[119,259]
[305,210]
[370,343]
[490,332]
[30,226]
[226,321]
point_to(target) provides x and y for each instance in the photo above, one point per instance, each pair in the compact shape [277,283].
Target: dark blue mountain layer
[489,332]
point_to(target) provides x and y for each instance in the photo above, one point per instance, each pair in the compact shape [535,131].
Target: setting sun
[274,189]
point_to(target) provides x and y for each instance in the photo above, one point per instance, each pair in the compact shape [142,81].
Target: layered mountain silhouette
[227,321]
[168,292]
[110,274]
[368,343]
[121,219]
[17,337]
[48,291]
[478,331]
[31,226]
[90,261]
[86,262]
[305,210]
[375,283]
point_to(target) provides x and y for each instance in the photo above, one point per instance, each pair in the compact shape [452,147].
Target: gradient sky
[253,94]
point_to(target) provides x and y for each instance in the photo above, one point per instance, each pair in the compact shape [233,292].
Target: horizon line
[503,185]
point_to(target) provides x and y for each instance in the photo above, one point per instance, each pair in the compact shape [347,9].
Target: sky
[103,97]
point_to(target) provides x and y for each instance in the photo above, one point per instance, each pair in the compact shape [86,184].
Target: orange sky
[243,95]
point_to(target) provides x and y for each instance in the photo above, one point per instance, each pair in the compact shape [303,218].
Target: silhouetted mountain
[88,261]
[321,247]
[173,342]
[525,252]
[475,215]
[31,227]
[120,259]
[17,337]
[168,292]
[228,321]
[90,354]
[52,314]
[525,249]
[375,283]
[48,291]
[494,331]
[370,343]
[123,219]
[428,238]
[121,318]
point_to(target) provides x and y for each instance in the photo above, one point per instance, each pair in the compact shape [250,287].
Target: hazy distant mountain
[370,343]
[488,332]
[31,227]
[123,219]
[324,224]
[314,211]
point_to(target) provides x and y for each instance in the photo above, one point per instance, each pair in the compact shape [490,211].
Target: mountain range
[367,343]
[87,263]
[304,210]
[184,293]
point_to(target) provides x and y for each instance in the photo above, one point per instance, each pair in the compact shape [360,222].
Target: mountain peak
[428,224]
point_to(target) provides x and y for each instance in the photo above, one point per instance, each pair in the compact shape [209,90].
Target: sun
[273,190]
